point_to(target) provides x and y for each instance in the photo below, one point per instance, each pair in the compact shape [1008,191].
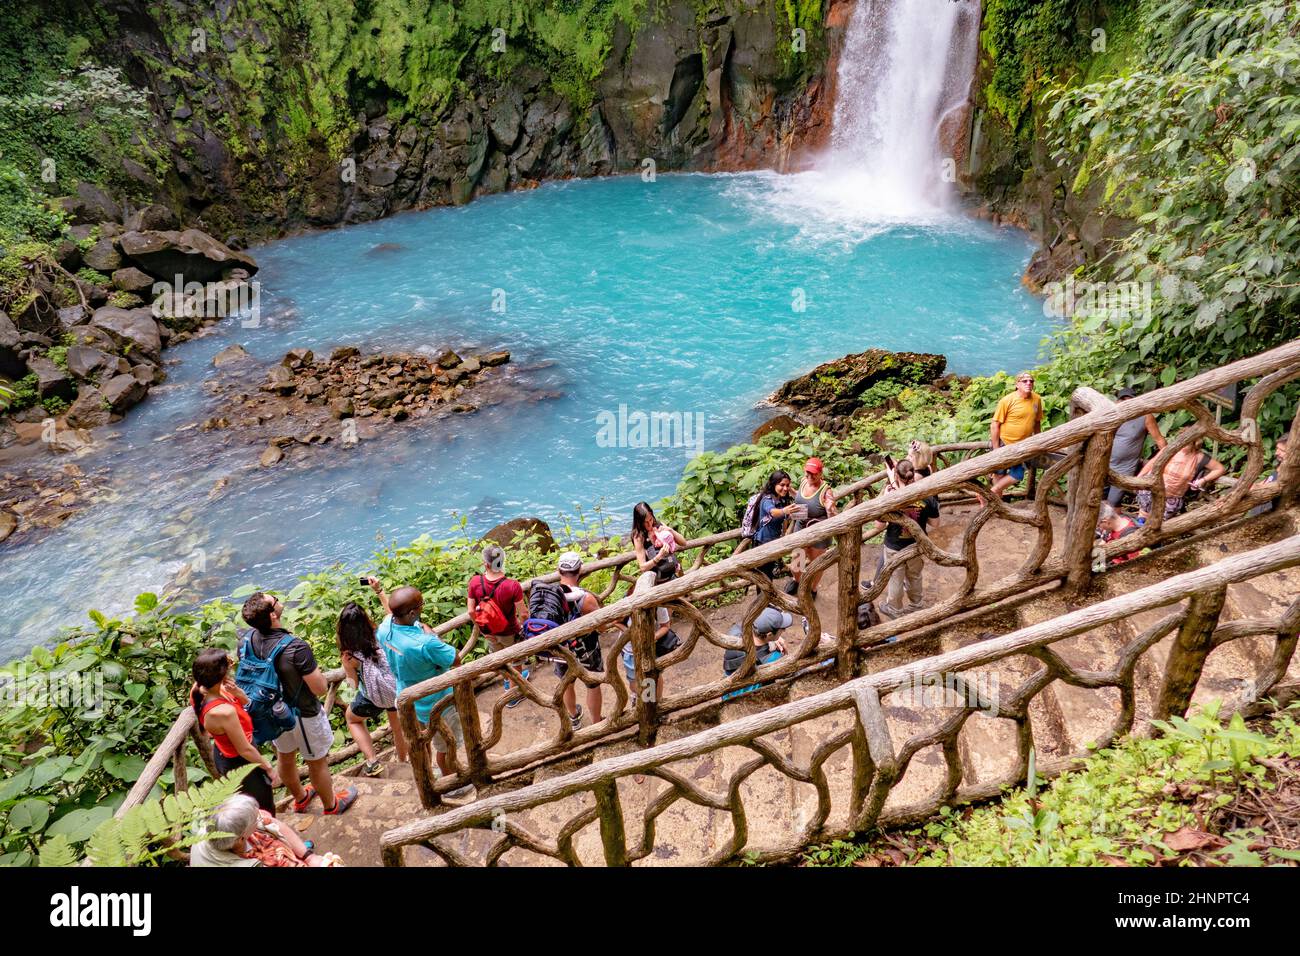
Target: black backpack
[547,602]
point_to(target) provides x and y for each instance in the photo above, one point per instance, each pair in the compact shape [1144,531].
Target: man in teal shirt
[415,653]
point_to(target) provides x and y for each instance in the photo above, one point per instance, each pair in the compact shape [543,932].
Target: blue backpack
[272,715]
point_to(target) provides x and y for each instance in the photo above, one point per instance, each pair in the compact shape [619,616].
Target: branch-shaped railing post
[849,547]
[1086,484]
[419,748]
[645,695]
[472,730]
[612,833]
[1187,654]
[1288,473]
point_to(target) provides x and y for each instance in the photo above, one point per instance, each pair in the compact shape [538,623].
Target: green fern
[148,832]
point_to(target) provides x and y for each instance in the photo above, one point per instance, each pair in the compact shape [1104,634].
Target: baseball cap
[494,558]
[769,621]
[772,620]
[570,561]
[814,465]
[1126,392]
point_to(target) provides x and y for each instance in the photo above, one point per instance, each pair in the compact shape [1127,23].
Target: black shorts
[587,650]
[257,784]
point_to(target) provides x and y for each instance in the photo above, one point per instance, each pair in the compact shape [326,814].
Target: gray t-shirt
[1129,440]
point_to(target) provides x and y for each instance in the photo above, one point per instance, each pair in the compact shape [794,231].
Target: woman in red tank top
[219,705]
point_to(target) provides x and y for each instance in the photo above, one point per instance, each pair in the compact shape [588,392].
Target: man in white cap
[585,647]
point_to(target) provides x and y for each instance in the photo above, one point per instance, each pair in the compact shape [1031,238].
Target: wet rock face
[722,90]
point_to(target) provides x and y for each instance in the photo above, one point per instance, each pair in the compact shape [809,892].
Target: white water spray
[904,72]
[906,65]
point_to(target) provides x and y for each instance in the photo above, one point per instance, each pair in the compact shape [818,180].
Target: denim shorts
[1015,471]
[363,707]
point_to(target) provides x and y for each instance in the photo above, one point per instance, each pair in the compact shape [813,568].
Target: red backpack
[487,614]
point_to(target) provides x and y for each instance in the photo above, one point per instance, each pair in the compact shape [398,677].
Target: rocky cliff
[279,114]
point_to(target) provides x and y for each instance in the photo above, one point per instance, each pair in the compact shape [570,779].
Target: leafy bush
[1119,809]
[1200,146]
[148,833]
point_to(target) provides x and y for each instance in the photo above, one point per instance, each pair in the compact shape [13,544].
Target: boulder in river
[190,253]
[89,410]
[230,355]
[123,391]
[132,329]
[504,534]
[835,389]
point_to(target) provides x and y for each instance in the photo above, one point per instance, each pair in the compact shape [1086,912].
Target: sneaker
[889,611]
[520,699]
[342,800]
[867,585]
[460,796]
[300,806]
[372,768]
[916,606]
[575,720]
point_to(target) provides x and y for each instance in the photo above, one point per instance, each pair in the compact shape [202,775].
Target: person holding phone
[817,500]
[769,512]
[366,669]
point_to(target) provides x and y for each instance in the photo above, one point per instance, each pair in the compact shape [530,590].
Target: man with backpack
[284,685]
[496,604]
[585,647]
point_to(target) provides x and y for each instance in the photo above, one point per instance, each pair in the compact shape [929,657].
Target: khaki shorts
[450,717]
[311,736]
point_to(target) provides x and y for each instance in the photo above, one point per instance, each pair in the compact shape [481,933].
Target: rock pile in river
[394,385]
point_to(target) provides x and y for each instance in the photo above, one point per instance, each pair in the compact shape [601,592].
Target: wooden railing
[1077,454]
[849,740]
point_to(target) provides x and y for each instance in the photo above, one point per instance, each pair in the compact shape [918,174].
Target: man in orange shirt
[1018,415]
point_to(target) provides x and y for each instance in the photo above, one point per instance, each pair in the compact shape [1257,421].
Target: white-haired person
[252,837]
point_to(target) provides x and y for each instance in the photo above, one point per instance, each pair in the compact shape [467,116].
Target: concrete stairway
[1065,718]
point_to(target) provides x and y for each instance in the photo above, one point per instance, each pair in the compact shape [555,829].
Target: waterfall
[905,67]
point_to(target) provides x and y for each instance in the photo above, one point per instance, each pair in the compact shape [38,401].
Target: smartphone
[890,465]
[363,580]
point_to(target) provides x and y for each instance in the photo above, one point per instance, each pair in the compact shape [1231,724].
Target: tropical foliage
[1143,802]
[1200,146]
[151,833]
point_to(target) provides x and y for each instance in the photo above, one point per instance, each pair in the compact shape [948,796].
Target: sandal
[300,806]
[342,801]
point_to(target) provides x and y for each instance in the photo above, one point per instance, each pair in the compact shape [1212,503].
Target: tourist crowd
[277,697]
